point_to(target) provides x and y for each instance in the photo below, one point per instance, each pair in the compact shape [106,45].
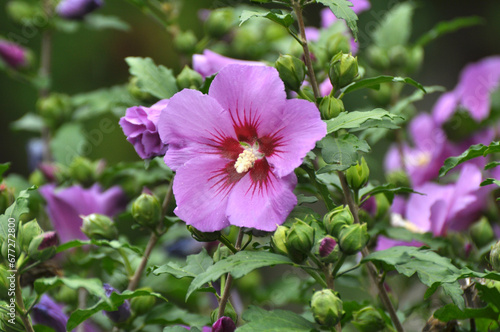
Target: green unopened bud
[495,256]
[353,238]
[185,42]
[378,58]
[331,107]
[278,240]
[343,70]
[37,178]
[326,307]
[336,43]
[228,312]
[203,237]
[83,170]
[99,227]
[55,109]
[383,205]
[136,92]
[357,175]
[398,179]
[219,22]
[337,219]
[299,241]
[27,232]
[146,210]
[368,319]
[142,304]
[482,233]
[292,71]
[189,79]
[415,59]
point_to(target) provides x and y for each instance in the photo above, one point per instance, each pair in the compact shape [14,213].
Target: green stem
[322,189]
[312,272]
[126,262]
[228,244]
[339,264]
[20,303]
[348,270]
[229,280]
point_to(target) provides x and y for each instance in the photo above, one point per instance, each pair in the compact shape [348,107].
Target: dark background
[87,60]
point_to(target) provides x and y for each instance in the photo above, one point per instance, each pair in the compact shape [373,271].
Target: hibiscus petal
[444,108]
[249,206]
[201,189]
[295,134]
[193,124]
[254,95]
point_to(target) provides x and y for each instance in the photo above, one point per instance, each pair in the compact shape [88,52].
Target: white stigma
[398,221]
[245,161]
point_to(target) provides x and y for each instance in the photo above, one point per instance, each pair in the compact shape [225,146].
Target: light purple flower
[49,313]
[14,55]
[422,161]
[210,63]
[123,312]
[477,81]
[140,126]
[65,206]
[77,9]
[235,149]
[224,324]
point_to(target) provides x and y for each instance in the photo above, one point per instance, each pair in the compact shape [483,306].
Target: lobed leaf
[342,10]
[275,15]
[351,120]
[156,80]
[478,150]
[101,243]
[395,28]
[342,152]
[195,265]
[276,321]
[373,82]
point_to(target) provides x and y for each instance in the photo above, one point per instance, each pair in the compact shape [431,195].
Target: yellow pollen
[245,161]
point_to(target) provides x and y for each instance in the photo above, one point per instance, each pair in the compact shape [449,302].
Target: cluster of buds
[296,242]
[351,237]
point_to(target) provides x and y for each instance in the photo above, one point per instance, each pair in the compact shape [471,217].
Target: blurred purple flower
[77,9]
[422,161]
[140,126]
[224,324]
[49,313]
[14,55]
[210,62]
[477,81]
[235,149]
[65,206]
[123,312]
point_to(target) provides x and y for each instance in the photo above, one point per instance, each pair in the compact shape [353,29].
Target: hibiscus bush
[283,179]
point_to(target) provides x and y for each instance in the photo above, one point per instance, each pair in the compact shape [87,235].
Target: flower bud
[142,304]
[336,43]
[278,240]
[378,58]
[482,233]
[229,313]
[495,256]
[357,175]
[292,71]
[331,107]
[136,92]
[337,219]
[224,324]
[326,246]
[398,179]
[55,109]
[13,55]
[203,237]
[146,210]
[98,227]
[27,232]
[189,79]
[82,170]
[415,59]
[122,313]
[343,70]
[368,319]
[185,42]
[77,9]
[326,307]
[353,238]
[299,241]
[41,242]
[219,22]
[49,313]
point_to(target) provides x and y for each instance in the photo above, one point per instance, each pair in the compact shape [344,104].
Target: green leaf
[274,321]
[373,82]
[389,190]
[478,150]
[443,28]
[490,181]
[342,152]
[489,294]
[29,122]
[350,120]
[92,285]
[395,28]
[451,312]
[179,329]
[168,313]
[238,265]
[68,142]
[195,265]
[491,165]
[403,234]
[101,22]
[156,80]
[101,243]
[15,211]
[3,168]
[111,304]
[342,10]
[274,15]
